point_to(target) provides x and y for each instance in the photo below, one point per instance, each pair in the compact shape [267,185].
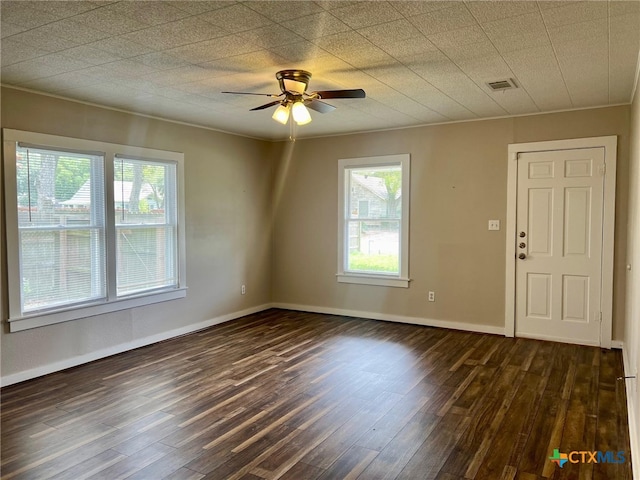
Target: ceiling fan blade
[319,106]
[273,95]
[266,105]
[353,93]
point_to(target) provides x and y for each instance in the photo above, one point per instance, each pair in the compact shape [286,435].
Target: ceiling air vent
[502,84]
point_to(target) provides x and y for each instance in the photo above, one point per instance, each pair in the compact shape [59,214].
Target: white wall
[632,325]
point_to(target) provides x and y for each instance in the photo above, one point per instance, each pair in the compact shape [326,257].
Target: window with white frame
[92,227]
[145,204]
[61,247]
[373,245]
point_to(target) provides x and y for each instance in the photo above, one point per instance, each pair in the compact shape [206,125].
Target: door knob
[522,245]
[522,256]
[522,234]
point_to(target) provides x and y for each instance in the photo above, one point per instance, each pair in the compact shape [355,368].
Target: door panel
[575,298]
[539,170]
[577,217]
[559,212]
[578,168]
[539,296]
[540,221]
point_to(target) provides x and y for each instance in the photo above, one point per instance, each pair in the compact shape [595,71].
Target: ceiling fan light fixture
[295,86]
[293,81]
[300,113]
[281,114]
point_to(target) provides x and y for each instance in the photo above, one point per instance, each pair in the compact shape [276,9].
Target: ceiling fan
[293,86]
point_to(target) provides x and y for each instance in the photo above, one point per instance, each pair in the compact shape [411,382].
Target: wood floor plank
[516,428]
[34,459]
[221,462]
[343,438]
[294,395]
[92,467]
[302,470]
[386,428]
[146,437]
[134,463]
[184,474]
[394,457]
[350,464]
[430,457]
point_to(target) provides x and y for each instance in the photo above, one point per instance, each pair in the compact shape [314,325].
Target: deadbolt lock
[522,256]
[522,245]
[522,234]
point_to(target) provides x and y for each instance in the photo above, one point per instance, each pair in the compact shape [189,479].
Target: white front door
[559,238]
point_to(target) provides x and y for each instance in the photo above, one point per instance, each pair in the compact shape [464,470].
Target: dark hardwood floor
[301,396]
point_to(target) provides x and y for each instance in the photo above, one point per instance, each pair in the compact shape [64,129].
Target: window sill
[377,280]
[41,319]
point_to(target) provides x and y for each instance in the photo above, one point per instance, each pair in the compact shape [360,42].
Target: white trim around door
[609,143]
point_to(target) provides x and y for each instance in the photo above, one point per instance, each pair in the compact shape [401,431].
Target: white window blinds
[61,227]
[145,204]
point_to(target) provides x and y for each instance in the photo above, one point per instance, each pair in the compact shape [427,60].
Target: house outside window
[374,220]
[91,227]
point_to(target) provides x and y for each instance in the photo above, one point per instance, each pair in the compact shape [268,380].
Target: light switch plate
[494,224]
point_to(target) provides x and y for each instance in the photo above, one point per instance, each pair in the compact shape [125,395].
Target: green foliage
[143,206]
[70,176]
[373,263]
[26,181]
[392,181]
[154,175]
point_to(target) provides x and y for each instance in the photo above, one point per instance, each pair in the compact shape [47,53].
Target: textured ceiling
[420,62]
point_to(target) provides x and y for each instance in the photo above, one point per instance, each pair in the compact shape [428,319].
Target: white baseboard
[633,415]
[123,347]
[617,344]
[427,322]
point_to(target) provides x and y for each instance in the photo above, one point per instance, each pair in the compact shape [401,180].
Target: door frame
[609,144]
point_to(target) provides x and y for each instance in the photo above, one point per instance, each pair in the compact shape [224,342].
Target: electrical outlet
[243,290]
[432,296]
[494,224]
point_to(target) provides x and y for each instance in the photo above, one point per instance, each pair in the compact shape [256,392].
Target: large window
[91,227]
[374,220]
[146,221]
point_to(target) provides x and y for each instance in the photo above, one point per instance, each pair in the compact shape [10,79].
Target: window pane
[375,192]
[54,188]
[374,246]
[141,191]
[373,219]
[146,259]
[61,228]
[60,267]
[146,221]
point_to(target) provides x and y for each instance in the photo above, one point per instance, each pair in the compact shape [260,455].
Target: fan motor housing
[293,81]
